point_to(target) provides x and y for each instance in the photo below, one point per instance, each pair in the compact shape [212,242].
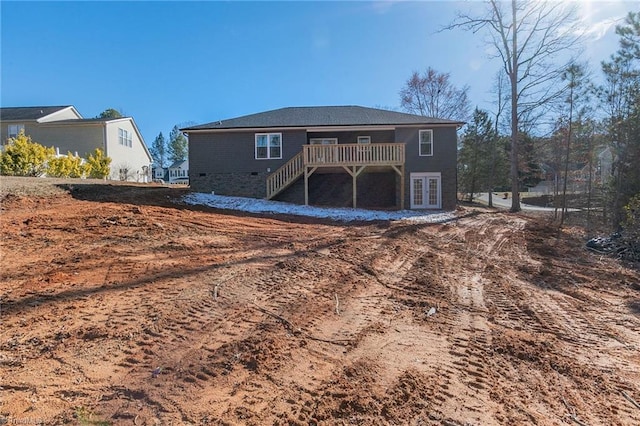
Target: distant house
[179,172]
[65,129]
[335,155]
[158,172]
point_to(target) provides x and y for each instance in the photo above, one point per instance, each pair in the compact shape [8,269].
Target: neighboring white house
[179,172]
[158,172]
[64,128]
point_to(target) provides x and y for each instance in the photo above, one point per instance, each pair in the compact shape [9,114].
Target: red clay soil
[119,306]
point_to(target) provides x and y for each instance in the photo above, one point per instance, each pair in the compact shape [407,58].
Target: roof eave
[322,128]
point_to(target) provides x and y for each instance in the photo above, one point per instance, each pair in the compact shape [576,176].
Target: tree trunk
[513,77]
[589,185]
[566,157]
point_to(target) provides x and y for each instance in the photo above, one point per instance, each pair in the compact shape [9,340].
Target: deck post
[355,186]
[306,186]
[402,188]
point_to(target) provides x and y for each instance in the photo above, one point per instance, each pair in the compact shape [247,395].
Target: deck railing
[373,154]
[285,175]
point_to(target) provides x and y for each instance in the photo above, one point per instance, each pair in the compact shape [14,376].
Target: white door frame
[425,178]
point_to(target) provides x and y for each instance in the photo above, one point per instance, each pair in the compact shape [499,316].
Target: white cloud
[596,30]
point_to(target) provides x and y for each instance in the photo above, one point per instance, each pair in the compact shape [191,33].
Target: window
[268,145]
[124,138]
[364,139]
[14,130]
[426,142]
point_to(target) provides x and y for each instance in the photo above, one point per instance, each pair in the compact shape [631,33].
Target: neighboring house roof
[85,120]
[322,116]
[29,113]
[177,164]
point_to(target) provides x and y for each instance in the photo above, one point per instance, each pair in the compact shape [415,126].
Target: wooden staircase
[288,173]
[353,158]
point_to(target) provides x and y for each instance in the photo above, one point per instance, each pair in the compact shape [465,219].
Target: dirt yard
[119,306]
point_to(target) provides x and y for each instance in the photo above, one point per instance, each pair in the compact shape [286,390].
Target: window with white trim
[125,137]
[425,140]
[364,139]
[14,130]
[268,146]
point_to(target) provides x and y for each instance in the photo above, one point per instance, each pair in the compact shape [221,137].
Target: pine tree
[178,145]
[159,150]
[476,154]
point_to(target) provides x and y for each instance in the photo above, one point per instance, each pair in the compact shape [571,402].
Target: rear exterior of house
[63,128]
[336,156]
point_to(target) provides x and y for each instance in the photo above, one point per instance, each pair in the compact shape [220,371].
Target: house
[65,129]
[159,173]
[331,155]
[179,172]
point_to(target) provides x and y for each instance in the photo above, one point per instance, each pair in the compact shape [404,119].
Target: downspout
[104,143]
[104,140]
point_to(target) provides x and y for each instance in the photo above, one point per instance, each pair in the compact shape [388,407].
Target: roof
[28,113]
[322,116]
[177,164]
[86,120]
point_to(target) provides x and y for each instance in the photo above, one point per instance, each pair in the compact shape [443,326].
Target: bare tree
[501,105]
[433,95]
[527,37]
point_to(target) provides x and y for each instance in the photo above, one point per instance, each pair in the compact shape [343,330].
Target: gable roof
[29,113]
[177,164]
[322,116]
[96,120]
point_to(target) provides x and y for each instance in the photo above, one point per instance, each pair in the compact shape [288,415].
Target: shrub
[22,157]
[67,166]
[98,166]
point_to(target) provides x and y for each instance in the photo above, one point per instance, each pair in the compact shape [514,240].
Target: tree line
[551,118]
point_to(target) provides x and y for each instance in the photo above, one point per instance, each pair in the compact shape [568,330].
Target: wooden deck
[353,158]
[373,154]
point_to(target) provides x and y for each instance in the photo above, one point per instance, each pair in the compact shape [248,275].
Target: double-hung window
[124,137]
[425,140]
[268,146]
[14,130]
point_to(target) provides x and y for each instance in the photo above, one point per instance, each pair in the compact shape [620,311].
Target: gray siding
[378,136]
[225,163]
[444,160]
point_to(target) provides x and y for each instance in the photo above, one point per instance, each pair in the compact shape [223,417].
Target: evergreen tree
[159,150]
[620,96]
[178,145]
[110,113]
[476,154]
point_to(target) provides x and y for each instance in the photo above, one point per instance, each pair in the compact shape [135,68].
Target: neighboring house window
[124,137]
[14,130]
[268,145]
[426,142]
[364,139]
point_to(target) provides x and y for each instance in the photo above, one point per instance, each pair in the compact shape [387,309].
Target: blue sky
[167,63]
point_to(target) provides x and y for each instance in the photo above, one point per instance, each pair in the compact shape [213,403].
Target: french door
[425,191]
